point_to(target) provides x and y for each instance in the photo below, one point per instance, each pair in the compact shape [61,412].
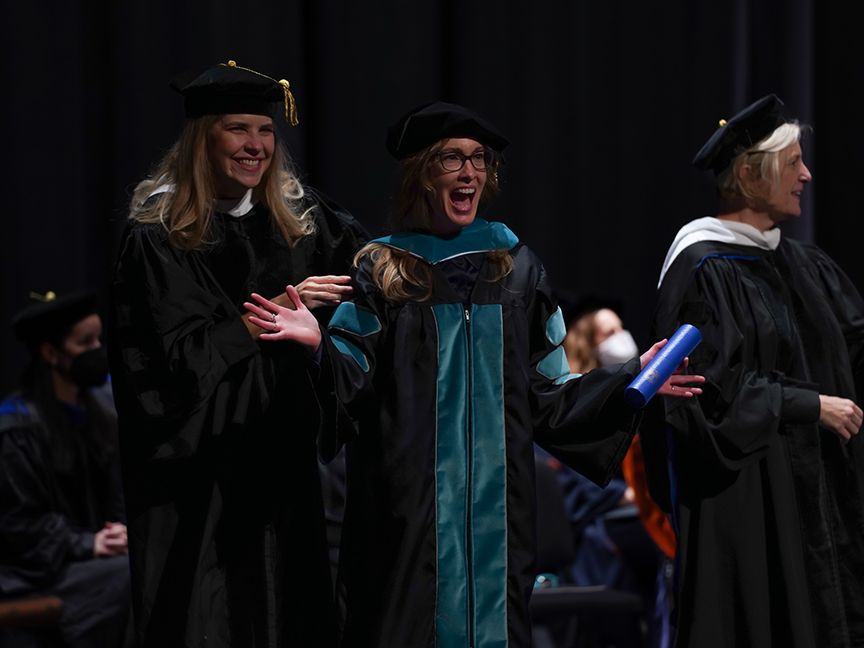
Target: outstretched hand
[677,383]
[280,323]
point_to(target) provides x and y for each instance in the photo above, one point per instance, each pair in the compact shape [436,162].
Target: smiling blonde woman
[226,527]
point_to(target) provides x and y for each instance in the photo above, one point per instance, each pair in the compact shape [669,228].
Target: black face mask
[89,369]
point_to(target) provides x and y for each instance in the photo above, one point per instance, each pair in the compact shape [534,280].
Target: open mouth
[462,199]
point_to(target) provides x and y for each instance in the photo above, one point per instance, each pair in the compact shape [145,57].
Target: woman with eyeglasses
[450,359]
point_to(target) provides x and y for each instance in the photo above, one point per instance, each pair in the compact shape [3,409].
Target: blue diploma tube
[664,364]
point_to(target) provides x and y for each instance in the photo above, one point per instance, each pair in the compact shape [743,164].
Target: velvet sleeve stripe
[554,365]
[354,320]
[567,378]
[555,329]
[349,350]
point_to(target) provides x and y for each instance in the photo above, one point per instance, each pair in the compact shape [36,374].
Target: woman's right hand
[280,323]
[841,416]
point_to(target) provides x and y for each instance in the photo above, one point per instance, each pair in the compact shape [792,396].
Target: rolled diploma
[664,364]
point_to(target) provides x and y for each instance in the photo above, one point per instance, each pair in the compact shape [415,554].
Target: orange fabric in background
[653,518]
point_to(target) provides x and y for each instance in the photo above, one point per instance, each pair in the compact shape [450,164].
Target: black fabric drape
[605,105]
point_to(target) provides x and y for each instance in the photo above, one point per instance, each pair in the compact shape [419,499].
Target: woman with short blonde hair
[762,474]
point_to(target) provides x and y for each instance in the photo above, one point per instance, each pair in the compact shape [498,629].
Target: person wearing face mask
[618,536]
[763,474]
[62,518]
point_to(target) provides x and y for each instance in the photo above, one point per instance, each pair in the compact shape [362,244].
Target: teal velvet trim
[349,318]
[554,365]
[555,329]
[567,378]
[479,236]
[488,478]
[451,477]
[348,349]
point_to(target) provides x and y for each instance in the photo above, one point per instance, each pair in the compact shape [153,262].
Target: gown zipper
[470,472]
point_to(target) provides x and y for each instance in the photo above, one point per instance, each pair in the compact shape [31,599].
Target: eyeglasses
[454,161]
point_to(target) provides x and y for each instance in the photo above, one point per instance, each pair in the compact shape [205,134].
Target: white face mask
[617,348]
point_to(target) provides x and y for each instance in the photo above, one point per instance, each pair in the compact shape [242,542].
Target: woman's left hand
[280,323]
[677,385]
[329,290]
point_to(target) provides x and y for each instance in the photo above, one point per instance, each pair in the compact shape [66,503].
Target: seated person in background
[61,499]
[614,549]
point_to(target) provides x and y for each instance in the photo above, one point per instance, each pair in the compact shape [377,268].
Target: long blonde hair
[399,274]
[186,211]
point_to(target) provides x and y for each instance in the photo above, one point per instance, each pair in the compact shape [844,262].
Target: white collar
[236,206]
[233,207]
[710,228]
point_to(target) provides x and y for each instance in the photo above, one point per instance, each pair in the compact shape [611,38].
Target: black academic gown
[451,392]
[59,485]
[767,505]
[218,436]
[51,508]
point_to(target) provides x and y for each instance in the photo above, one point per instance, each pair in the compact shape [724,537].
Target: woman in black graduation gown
[767,464]
[62,528]
[218,432]
[450,356]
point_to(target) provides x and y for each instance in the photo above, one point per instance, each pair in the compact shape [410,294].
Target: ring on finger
[273,318]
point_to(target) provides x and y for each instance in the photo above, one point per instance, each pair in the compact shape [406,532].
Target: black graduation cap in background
[49,317]
[750,126]
[430,123]
[228,88]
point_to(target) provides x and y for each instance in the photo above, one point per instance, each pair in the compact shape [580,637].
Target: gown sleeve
[582,420]
[176,340]
[350,358]
[848,308]
[738,415]
[36,539]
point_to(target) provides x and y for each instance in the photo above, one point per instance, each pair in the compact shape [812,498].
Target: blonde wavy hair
[399,274]
[764,160]
[186,211]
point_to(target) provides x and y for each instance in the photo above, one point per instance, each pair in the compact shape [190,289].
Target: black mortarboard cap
[50,317]
[227,88]
[750,126]
[430,123]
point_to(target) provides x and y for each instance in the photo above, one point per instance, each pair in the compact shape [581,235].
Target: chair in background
[562,607]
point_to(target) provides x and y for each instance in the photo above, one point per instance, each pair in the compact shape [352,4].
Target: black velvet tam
[52,319]
[433,122]
[228,89]
[750,126]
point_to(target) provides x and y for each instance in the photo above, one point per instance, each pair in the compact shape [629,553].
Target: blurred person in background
[62,518]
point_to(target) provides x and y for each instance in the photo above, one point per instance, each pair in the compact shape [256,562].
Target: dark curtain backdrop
[605,104]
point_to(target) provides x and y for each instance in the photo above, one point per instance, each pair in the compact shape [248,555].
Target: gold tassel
[722,123]
[47,297]
[290,106]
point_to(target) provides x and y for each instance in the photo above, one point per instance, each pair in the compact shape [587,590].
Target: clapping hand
[280,323]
